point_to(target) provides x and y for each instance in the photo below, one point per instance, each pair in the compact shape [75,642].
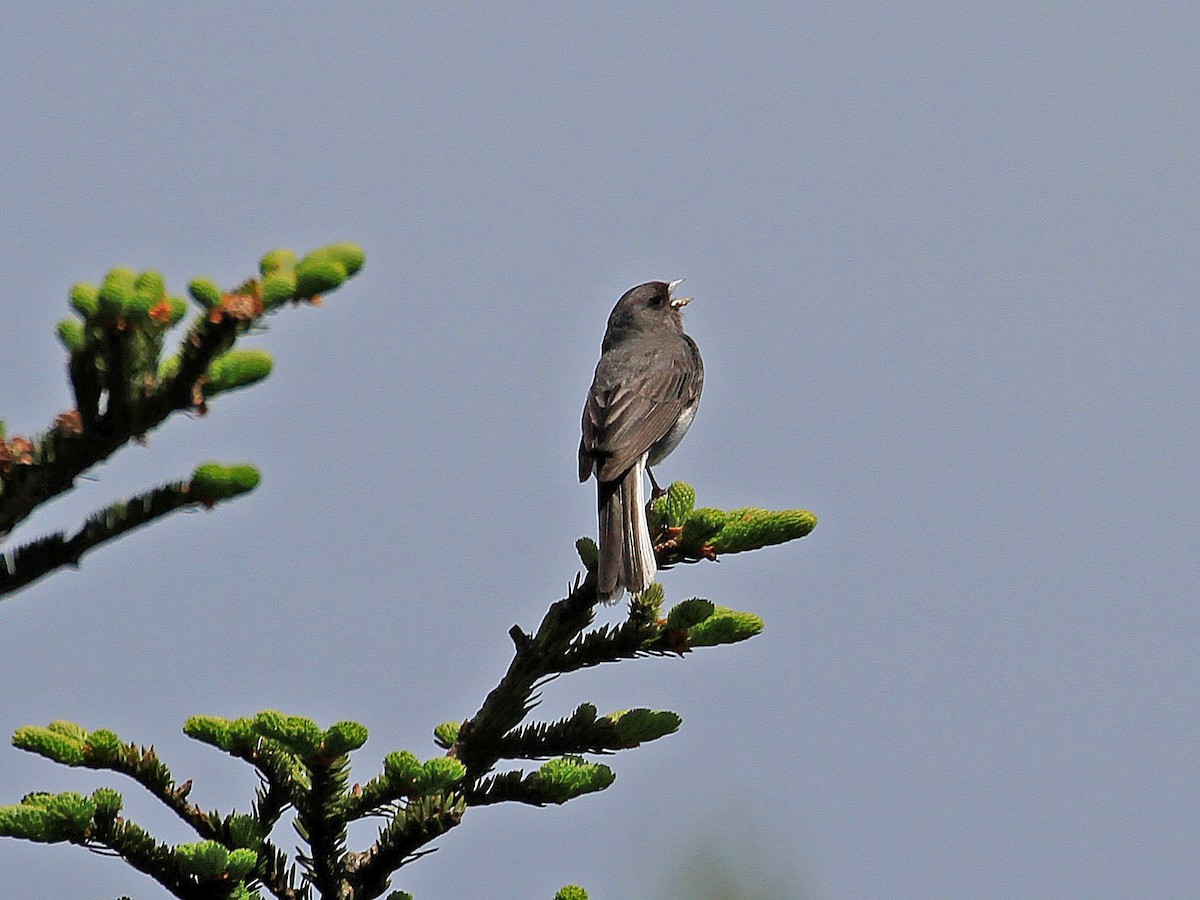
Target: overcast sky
[945,266]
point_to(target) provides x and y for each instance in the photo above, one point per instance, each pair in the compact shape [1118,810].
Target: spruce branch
[321,823]
[306,767]
[479,738]
[556,781]
[398,843]
[586,732]
[123,389]
[95,822]
[280,770]
[134,845]
[404,778]
[560,644]
[688,535]
[211,483]
[73,745]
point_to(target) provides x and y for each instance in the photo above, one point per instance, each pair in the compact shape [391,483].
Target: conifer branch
[134,845]
[479,739]
[21,566]
[322,825]
[398,843]
[556,781]
[124,389]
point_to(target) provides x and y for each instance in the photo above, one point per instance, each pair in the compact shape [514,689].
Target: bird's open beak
[677,302]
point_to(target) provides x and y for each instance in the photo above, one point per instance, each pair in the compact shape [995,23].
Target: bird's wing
[636,398]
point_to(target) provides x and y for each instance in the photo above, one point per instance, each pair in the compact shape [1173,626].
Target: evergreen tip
[673,506]
[72,730]
[326,269]
[108,802]
[699,527]
[317,277]
[439,774]
[296,734]
[241,863]
[589,553]
[751,529]
[27,822]
[151,286]
[281,259]
[236,369]
[562,779]
[709,532]
[244,831]
[102,746]
[446,734]
[204,860]
[115,291]
[168,367]
[401,767]
[636,726]
[176,309]
[54,745]
[649,602]
[205,291]
[351,256]
[343,737]
[137,308]
[48,818]
[212,730]
[724,626]
[73,812]
[690,612]
[278,288]
[212,482]
[84,299]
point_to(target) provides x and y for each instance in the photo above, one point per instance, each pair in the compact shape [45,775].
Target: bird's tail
[627,559]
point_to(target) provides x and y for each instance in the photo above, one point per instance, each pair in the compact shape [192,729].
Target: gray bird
[642,400]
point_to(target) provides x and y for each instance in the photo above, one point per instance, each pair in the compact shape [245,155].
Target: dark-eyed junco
[643,398]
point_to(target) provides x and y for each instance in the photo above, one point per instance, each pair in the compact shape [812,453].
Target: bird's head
[652,306]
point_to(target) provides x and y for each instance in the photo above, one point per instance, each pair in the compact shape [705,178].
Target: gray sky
[946,268]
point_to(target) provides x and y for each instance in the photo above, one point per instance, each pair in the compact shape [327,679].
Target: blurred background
[945,266]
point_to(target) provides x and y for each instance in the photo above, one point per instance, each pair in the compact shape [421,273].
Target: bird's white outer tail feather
[640,565]
[626,551]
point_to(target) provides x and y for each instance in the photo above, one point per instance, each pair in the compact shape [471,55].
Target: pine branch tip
[212,482]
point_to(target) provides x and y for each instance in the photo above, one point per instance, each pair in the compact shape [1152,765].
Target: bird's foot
[655,490]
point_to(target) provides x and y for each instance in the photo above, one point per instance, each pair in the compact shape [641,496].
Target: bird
[643,398]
